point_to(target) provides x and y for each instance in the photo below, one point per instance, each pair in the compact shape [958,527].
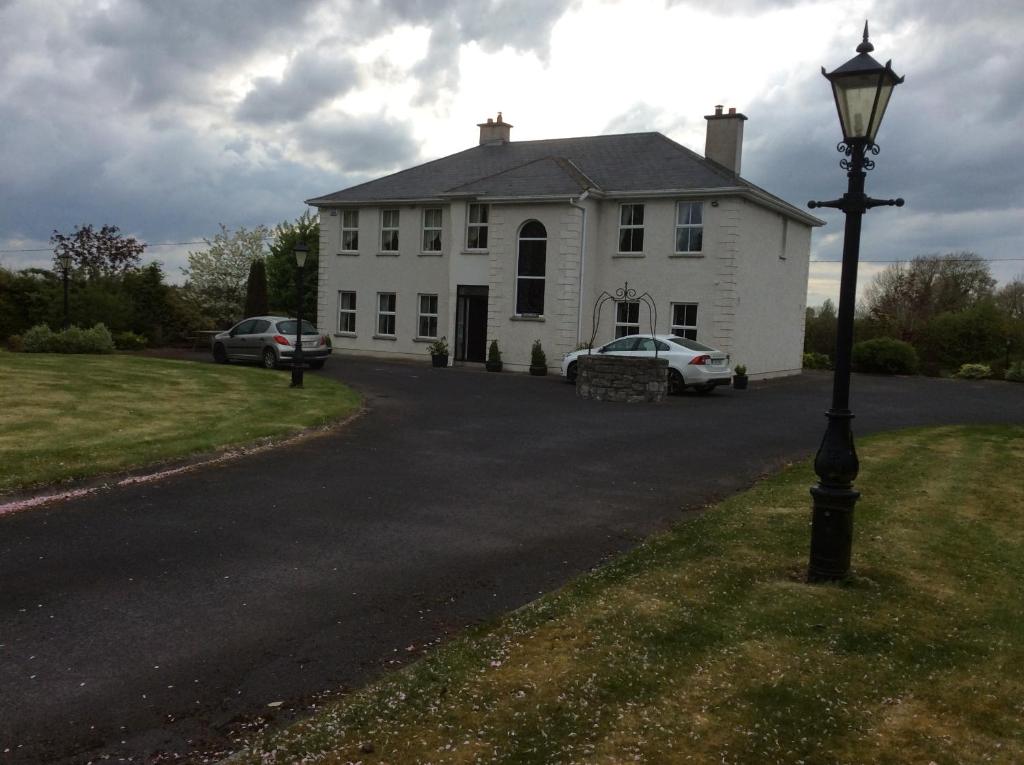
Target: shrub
[438,347]
[42,339]
[537,356]
[814,360]
[974,371]
[740,369]
[1015,372]
[129,341]
[493,354]
[15,344]
[886,355]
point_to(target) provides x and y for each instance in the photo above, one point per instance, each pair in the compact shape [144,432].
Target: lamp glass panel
[855,96]
[300,257]
[884,91]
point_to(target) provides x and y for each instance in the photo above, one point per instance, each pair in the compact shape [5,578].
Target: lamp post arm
[869,202]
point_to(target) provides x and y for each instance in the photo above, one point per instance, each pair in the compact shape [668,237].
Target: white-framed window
[684,320]
[631,228]
[427,319]
[476,226]
[432,229]
[689,227]
[389,230]
[531,269]
[627,318]
[347,312]
[350,230]
[387,310]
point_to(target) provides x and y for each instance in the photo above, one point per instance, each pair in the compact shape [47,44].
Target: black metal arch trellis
[624,294]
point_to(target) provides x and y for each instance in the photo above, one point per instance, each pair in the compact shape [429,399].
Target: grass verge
[75,416]
[703,645]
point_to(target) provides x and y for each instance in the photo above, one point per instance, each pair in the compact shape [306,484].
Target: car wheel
[219,354]
[675,382]
[269,358]
[316,364]
[570,373]
[704,390]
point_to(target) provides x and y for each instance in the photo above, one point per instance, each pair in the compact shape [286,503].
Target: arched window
[533,245]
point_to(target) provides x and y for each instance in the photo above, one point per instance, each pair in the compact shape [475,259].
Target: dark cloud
[311,78]
[370,145]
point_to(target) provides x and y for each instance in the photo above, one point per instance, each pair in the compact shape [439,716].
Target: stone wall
[621,378]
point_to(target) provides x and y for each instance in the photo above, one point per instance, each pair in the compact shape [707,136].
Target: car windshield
[288,327]
[690,345]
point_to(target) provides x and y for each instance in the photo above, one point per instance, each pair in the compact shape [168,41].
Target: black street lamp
[65,268]
[861,88]
[301,251]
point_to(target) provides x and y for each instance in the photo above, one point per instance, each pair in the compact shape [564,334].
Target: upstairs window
[684,320]
[350,230]
[627,318]
[689,227]
[476,227]
[432,229]
[389,230]
[531,267]
[631,228]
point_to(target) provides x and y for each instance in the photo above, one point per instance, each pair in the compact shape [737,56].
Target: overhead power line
[146,244]
[909,260]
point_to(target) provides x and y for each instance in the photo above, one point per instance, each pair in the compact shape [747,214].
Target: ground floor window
[386,311]
[428,316]
[684,320]
[347,312]
[627,318]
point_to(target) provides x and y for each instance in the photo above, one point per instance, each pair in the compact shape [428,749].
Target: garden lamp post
[65,269]
[301,251]
[861,88]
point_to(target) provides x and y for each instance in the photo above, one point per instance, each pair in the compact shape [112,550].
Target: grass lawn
[72,416]
[704,645]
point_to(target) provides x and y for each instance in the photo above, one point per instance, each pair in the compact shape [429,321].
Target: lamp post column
[297,360]
[67,315]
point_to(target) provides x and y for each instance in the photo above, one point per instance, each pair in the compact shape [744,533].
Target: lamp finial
[865,46]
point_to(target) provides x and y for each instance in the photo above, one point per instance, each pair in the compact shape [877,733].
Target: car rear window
[690,345]
[288,327]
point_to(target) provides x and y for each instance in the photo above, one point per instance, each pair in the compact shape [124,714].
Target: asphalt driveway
[161,618]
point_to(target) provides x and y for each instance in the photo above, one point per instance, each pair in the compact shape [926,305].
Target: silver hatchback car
[270,340]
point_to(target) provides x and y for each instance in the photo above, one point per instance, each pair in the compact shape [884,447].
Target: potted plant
[493,357]
[438,351]
[739,377]
[538,360]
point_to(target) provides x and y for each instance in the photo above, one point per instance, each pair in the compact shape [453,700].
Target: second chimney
[494,131]
[724,143]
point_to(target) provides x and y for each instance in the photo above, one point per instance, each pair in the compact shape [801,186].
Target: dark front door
[471,323]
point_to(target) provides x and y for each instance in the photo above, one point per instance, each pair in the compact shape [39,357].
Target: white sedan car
[690,364]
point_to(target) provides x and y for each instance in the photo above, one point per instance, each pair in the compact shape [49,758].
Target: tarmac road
[159,619]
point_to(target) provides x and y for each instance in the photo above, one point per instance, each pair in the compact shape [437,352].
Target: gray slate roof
[629,162]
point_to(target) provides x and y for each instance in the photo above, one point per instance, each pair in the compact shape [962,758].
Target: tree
[256,290]
[1010,299]
[217,276]
[281,265]
[820,329]
[903,298]
[98,253]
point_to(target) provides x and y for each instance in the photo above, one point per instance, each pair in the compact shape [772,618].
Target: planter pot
[493,366]
[439,359]
[538,371]
[739,382]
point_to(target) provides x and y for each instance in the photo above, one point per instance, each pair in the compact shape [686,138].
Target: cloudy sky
[167,118]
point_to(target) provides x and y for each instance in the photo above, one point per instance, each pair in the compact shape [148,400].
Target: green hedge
[42,339]
[814,360]
[885,355]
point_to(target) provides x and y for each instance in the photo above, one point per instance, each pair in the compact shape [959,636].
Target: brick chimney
[494,131]
[724,143]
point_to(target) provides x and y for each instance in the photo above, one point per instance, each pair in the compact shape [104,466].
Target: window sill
[389,254]
[476,252]
[424,339]
[345,334]
[431,254]
[349,253]
[385,337]
[518,317]
[687,255]
[629,255]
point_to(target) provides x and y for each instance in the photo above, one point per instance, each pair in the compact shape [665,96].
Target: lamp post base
[831,533]
[296,375]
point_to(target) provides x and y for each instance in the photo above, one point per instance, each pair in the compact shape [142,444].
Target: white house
[517,241]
